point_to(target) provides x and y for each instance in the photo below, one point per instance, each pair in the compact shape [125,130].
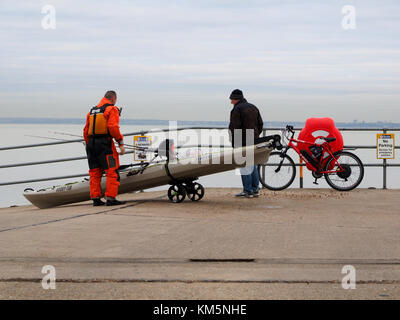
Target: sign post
[385,150]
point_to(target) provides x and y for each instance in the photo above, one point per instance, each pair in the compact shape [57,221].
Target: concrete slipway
[291,244]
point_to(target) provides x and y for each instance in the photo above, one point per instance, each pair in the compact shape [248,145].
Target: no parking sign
[385,146]
[141,142]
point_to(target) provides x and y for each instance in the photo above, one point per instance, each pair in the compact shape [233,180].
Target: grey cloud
[272,49]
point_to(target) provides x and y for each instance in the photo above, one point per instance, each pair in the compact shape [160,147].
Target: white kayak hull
[153,176]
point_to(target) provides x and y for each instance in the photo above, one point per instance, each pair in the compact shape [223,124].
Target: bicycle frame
[325,149]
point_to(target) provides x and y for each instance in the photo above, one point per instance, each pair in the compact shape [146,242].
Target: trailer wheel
[176,193]
[195,191]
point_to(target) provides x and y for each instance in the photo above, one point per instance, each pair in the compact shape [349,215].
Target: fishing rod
[145,149]
[126,145]
[142,165]
[73,135]
[49,138]
[66,134]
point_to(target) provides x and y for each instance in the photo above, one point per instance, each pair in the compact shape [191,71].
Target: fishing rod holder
[166,149]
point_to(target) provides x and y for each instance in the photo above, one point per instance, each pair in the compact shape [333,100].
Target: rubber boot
[97,202]
[114,202]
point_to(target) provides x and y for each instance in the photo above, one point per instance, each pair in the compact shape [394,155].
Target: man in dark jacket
[245,119]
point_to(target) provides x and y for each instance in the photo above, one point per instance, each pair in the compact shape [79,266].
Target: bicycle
[342,170]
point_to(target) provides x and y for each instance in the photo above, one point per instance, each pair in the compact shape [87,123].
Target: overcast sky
[179,60]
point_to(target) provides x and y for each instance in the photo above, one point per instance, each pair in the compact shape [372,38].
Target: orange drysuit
[102,126]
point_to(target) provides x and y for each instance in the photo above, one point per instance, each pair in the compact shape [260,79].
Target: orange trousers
[112,164]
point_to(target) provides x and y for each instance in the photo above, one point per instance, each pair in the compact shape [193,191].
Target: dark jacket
[244,116]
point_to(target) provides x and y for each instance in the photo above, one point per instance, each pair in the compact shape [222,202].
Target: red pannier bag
[314,128]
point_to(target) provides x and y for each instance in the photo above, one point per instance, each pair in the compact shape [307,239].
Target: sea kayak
[170,172]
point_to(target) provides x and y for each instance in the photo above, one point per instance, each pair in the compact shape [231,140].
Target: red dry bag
[317,127]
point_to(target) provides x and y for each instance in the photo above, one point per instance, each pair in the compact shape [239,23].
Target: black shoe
[97,202]
[244,194]
[115,202]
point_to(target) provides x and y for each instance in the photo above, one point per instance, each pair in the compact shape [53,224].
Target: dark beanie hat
[236,95]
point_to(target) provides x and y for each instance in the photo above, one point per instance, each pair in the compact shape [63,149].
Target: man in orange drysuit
[102,126]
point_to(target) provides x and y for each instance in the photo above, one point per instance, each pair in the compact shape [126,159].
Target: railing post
[301,173]
[264,133]
[384,167]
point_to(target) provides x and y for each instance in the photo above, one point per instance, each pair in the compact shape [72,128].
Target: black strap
[168,172]
[102,108]
[94,124]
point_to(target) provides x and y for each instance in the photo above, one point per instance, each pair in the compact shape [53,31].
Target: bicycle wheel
[351,175]
[274,179]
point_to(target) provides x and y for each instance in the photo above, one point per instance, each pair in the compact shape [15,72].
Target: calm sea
[12,135]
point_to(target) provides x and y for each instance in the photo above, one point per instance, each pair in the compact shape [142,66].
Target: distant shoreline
[154,122]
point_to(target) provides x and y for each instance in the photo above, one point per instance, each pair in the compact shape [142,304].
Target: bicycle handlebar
[290,128]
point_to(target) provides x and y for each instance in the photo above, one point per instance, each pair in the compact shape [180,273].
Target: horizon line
[35,120]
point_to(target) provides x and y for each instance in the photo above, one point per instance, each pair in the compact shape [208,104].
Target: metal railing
[384,163]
